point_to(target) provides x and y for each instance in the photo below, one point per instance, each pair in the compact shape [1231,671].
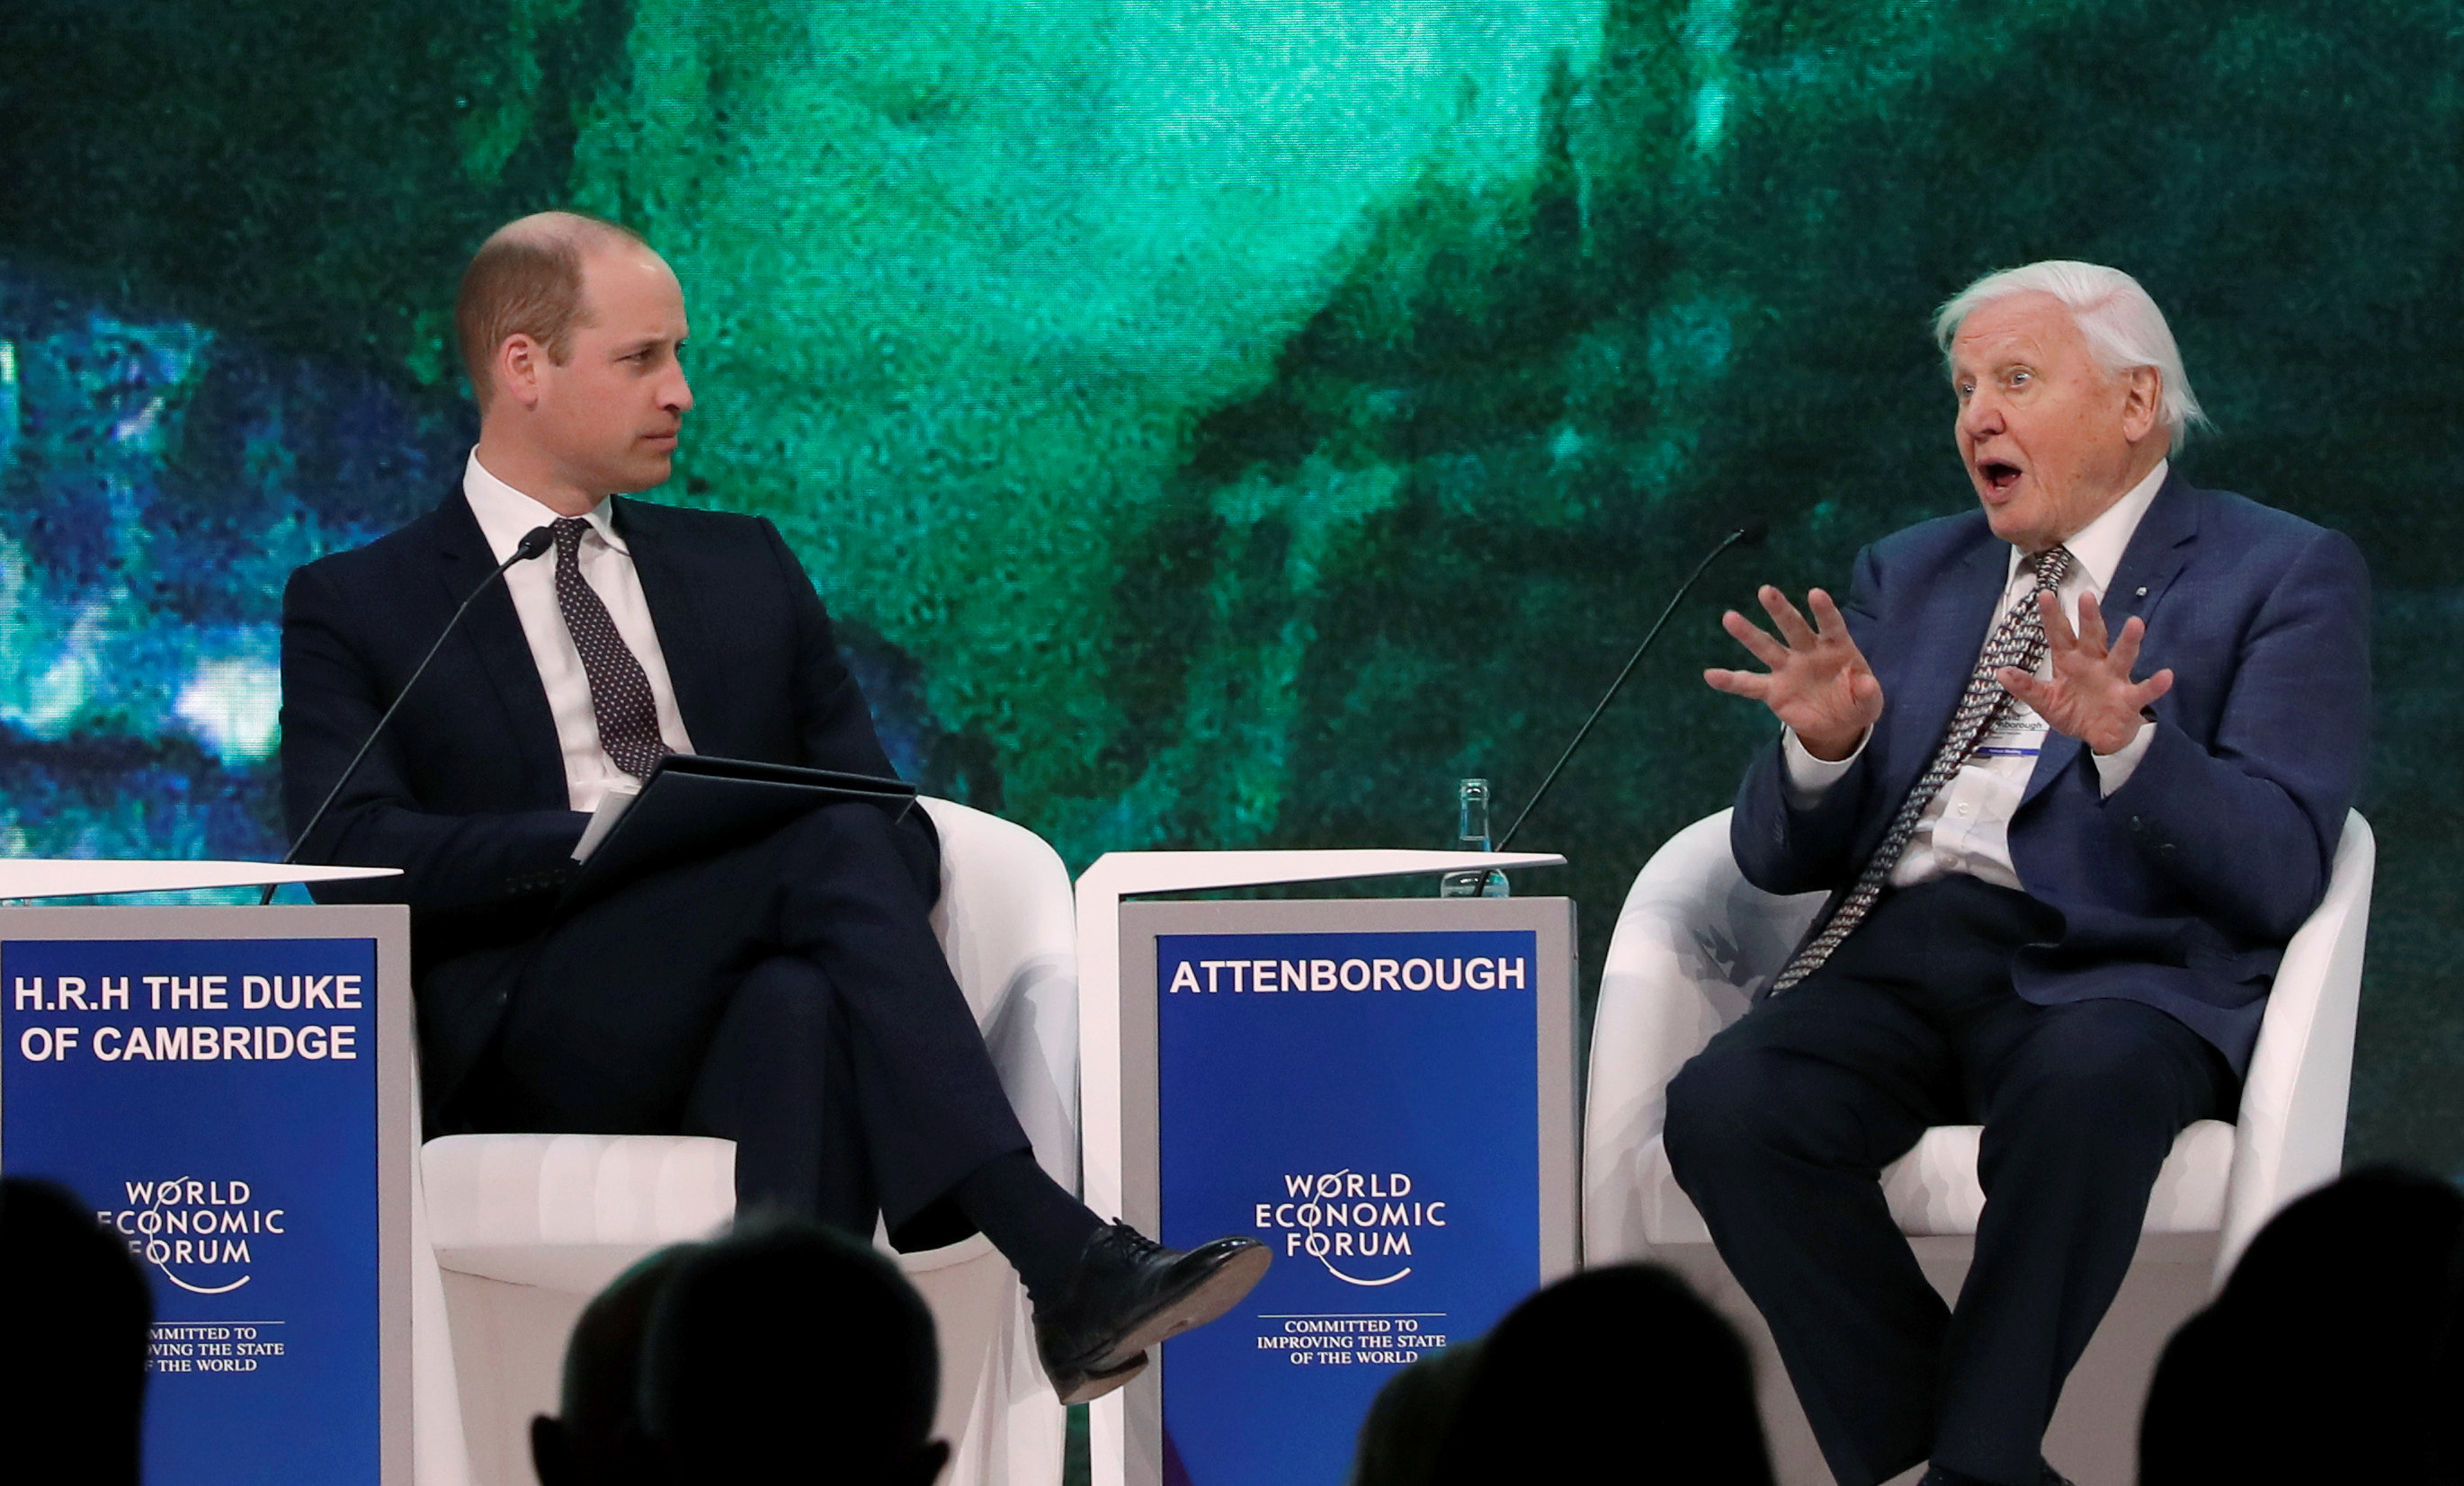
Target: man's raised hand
[1819,684]
[2090,697]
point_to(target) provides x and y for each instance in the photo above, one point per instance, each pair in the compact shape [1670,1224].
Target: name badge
[2018,733]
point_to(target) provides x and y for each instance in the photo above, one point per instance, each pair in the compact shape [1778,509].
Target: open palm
[1819,684]
[2091,696]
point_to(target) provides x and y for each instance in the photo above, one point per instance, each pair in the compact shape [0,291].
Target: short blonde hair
[526,280]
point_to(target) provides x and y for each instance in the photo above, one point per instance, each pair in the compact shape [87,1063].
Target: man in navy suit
[787,994]
[2073,767]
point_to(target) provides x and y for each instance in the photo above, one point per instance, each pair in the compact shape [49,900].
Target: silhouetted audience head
[1405,1433]
[1619,1373]
[2333,1352]
[781,1352]
[75,1320]
[596,1437]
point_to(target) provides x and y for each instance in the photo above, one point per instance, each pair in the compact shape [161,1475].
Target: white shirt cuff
[2113,769]
[1808,777]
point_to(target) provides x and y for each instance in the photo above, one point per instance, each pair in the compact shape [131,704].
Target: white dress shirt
[505,517]
[1967,828]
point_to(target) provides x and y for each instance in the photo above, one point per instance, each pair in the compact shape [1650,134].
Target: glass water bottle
[1471,834]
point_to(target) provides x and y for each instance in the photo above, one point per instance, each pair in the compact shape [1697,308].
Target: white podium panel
[82,877]
[230,1090]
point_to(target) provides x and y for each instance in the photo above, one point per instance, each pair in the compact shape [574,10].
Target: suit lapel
[494,630]
[1952,622]
[677,612]
[2157,551]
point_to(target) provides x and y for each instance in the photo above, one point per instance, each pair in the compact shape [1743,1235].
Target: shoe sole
[1091,1386]
[1209,1299]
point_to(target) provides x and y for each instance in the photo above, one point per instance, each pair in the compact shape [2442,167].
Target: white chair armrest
[440,1449]
[1692,943]
[1008,923]
[2290,1128]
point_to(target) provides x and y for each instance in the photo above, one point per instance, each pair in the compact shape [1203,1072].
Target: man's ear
[921,1469]
[2144,402]
[521,365]
[552,1452]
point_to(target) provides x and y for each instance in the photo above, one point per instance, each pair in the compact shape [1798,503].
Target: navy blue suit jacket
[466,790]
[2181,889]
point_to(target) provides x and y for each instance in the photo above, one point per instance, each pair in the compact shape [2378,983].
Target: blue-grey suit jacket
[2181,889]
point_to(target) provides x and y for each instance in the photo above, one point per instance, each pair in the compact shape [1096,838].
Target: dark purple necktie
[620,692]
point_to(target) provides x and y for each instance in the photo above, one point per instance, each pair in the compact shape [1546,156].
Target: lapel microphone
[1751,534]
[534,541]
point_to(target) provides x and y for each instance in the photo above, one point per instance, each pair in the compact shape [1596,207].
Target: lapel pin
[2143,593]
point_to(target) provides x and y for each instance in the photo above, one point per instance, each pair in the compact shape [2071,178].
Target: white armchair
[1695,940]
[511,1234]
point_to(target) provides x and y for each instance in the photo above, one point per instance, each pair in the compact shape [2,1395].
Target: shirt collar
[506,515]
[2096,550]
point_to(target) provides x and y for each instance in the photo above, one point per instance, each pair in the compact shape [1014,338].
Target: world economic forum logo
[198,1233]
[1359,1225]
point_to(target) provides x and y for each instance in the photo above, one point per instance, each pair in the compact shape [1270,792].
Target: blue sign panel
[1368,1105]
[214,1101]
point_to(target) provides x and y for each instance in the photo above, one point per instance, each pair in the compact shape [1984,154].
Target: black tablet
[693,805]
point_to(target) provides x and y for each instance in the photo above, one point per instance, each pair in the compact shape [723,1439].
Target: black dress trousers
[788,994]
[1780,1128]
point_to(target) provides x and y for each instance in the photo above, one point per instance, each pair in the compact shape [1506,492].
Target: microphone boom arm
[534,542]
[1746,534]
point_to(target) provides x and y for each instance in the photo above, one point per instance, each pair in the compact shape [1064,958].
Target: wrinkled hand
[1818,684]
[2091,696]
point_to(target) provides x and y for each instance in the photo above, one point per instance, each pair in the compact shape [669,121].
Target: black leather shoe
[1130,1293]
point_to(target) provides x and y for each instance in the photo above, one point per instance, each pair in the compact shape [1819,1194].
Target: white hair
[2123,329]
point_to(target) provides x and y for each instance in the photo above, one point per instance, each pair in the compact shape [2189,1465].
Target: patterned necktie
[620,693]
[2018,643]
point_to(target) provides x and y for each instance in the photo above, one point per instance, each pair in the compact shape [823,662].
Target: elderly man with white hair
[2072,767]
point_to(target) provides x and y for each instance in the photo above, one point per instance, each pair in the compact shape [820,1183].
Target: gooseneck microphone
[534,541]
[1751,534]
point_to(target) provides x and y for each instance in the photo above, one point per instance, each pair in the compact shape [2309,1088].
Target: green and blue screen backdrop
[1218,422]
